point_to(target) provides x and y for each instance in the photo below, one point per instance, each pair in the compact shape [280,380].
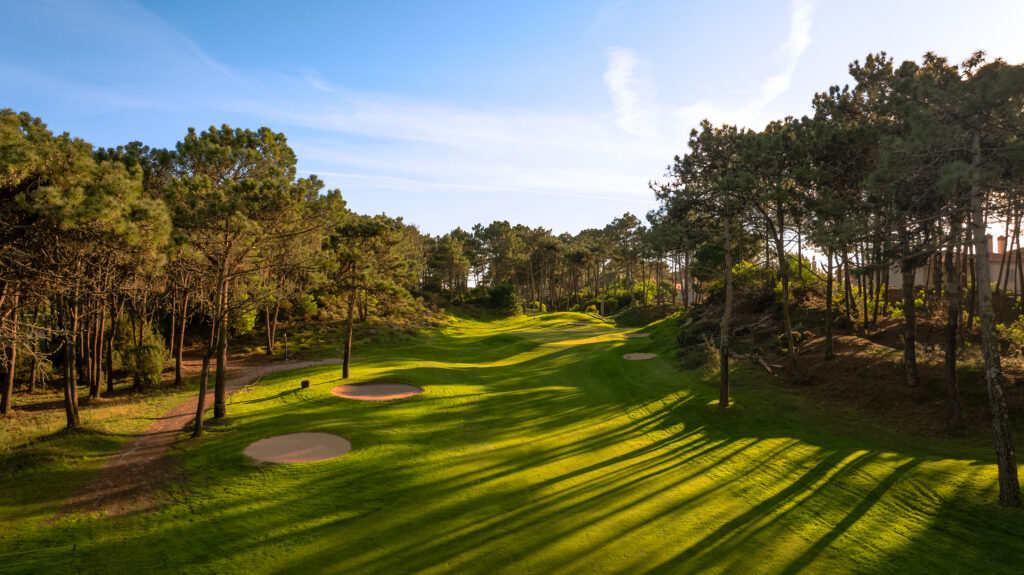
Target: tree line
[107,256]
[625,264]
[907,166]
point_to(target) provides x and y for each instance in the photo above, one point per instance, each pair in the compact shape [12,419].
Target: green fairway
[536,448]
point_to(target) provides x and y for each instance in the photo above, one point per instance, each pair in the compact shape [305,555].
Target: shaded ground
[130,480]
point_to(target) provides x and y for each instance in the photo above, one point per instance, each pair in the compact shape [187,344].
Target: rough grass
[42,463]
[537,449]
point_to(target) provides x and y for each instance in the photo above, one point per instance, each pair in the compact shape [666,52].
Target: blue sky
[552,114]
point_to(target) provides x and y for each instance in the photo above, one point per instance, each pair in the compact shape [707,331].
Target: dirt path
[131,478]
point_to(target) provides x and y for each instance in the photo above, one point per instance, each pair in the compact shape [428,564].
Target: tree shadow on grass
[566,460]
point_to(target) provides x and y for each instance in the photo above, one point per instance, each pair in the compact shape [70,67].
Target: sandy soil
[377,391]
[131,477]
[640,355]
[299,447]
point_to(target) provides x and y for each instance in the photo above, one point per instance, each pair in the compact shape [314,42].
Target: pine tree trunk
[70,382]
[87,350]
[723,344]
[34,376]
[115,317]
[877,282]
[1019,279]
[181,341]
[349,326]
[174,319]
[70,390]
[863,281]
[910,325]
[204,378]
[799,256]
[1009,485]
[266,324]
[273,325]
[829,282]
[7,398]
[953,418]
[109,360]
[97,351]
[1000,285]
[220,383]
[787,323]
[847,288]
[972,307]
[84,358]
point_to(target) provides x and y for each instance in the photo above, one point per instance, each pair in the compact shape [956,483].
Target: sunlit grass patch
[536,448]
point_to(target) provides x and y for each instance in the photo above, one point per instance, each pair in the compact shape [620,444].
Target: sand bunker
[377,391]
[640,355]
[636,335]
[299,447]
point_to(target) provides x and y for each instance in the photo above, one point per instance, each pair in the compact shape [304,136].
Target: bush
[504,298]
[241,322]
[145,363]
[1012,337]
[897,306]
[611,304]
[304,307]
[799,337]
[591,309]
[700,355]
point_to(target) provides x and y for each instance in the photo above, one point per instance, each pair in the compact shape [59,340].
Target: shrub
[611,304]
[145,363]
[799,337]
[701,355]
[897,306]
[241,322]
[504,298]
[304,307]
[1012,336]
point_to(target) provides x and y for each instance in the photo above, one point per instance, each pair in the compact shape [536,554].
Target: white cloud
[752,114]
[633,113]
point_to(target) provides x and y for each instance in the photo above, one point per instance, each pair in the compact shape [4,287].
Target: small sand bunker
[636,335]
[377,391]
[299,447]
[640,355]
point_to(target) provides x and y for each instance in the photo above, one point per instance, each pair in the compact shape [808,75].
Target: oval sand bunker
[640,355]
[377,391]
[636,335]
[299,447]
